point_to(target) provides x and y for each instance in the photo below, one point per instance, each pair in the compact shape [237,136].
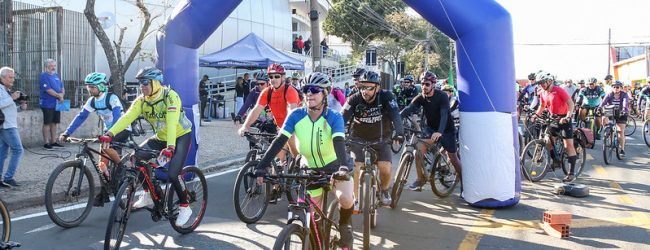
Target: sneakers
[275,195]
[4,185]
[56,145]
[144,201]
[569,178]
[416,186]
[347,239]
[47,146]
[622,153]
[184,213]
[101,198]
[385,198]
[11,182]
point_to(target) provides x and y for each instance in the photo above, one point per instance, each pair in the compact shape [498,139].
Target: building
[631,64]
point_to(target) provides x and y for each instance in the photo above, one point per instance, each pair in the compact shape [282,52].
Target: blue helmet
[409,78]
[150,73]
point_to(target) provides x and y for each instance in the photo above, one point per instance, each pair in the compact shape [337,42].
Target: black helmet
[262,76]
[428,76]
[358,72]
[531,76]
[608,77]
[370,76]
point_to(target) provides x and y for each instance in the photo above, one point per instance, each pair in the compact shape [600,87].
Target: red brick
[556,230]
[557,217]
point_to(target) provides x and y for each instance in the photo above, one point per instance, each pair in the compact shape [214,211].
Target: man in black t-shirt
[203,93]
[373,114]
[439,125]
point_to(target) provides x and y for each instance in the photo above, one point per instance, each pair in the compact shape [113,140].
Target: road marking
[639,220]
[475,233]
[589,157]
[43,228]
[77,206]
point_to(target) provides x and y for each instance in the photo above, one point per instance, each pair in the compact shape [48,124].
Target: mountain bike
[309,226]
[6,228]
[166,205]
[537,159]
[258,143]
[610,135]
[408,126]
[70,189]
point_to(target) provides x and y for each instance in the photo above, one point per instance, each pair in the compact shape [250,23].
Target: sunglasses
[367,88]
[617,87]
[427,84]
[261,83]
[275,76]
[311,89]
[144,82]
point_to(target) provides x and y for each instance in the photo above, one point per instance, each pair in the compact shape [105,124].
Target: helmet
[447,87]
[608,77]
[409,78]
[581,82]
[593,80]
[261,76]
[275,69]
[319,79]
[98,80]
[531,76]
[295,75]
[543,76]
[358,72]
[150,73]
[617,82]
[428,76]
[370,76]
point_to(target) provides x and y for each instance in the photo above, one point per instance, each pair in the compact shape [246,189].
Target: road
[615,215]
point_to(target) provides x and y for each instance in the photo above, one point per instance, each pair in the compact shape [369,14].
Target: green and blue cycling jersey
[591,97]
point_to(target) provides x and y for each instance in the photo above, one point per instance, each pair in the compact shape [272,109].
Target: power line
[582,44]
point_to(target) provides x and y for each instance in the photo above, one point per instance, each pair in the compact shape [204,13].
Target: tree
[360,21]
[113,50]
[389,50]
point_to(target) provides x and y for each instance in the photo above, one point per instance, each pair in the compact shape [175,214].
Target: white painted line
[43,228]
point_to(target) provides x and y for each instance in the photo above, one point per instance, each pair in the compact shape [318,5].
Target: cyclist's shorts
[621,119]
[383,152]
[448,139]
[564,130]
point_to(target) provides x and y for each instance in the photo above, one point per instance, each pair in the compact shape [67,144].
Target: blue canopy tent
[250,52]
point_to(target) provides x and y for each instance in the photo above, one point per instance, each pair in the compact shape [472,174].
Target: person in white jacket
[9,137]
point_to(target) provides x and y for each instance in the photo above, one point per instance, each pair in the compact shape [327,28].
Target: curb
[30,202]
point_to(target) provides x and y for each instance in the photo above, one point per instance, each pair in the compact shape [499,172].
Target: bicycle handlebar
[80,140]
[136,147]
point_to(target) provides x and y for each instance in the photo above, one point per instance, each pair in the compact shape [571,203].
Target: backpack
[108,102]
[268,96]
[585,136]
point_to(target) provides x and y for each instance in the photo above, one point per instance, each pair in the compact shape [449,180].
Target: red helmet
[275,69]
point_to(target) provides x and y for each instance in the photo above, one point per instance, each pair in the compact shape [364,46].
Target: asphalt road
[615,215]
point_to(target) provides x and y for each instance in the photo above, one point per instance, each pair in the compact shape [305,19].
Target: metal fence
[31,34]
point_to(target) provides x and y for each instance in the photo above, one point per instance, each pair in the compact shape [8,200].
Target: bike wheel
[646,132]
[581,154]
[367,193]
[330,232]
[249,198]
[119,216]
[535,160]
[6,222]
[617,147]
[443,177]
[401,177]
[70,186]
[197,194]
[292,236]
[608,145]
[290,186]
[630,126]
[250,156]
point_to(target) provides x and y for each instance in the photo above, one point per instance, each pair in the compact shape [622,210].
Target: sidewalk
[220,147]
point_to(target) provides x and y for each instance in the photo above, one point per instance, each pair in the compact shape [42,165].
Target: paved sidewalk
[220,147]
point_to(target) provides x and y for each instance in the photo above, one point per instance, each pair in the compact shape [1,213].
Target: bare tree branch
[143,32]
[96,26]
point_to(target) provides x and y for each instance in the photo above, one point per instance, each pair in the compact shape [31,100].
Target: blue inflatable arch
[482,30]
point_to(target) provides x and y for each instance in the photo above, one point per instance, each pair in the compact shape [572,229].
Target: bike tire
[441,173]
[366,208]
[246,188]
[67,216]
[630,126]
[285,239]
[290,185]
[6,222]
[646,132]
[330,231]
[197,190]
[119,216]
[608,141]
[538,171]
[401,178]
[617,149]
[581,153]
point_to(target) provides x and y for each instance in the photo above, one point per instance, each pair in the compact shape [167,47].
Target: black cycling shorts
[448,139]
[564,130]
[383,152]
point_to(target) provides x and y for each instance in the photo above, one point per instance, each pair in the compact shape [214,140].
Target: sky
[573,22]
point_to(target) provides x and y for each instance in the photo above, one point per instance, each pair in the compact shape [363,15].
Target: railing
[341,75]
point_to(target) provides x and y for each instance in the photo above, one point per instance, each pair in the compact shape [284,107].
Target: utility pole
[315,36]
[609,51]
[427,44]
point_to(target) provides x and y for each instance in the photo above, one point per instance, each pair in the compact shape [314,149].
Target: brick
[556,230]
[557,217]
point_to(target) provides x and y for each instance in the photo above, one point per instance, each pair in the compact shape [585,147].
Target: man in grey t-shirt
[9,137]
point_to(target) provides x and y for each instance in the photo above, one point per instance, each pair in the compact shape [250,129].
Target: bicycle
[369,192]
[610,135]
[408,125]
[6,228]
[251,200]
[258,143]
[309,227]
[536,160]
[77,184]
[137,129]
[165,204]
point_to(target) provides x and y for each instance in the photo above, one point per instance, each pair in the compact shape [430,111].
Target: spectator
[308,47]
[247,85]
[239,93]
[294,45]
[301,44]
[347,89]
[9,137]
[203,94]
[323,44]
[52,91]
[569,87]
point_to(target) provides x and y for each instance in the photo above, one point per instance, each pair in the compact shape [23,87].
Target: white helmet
[543,76]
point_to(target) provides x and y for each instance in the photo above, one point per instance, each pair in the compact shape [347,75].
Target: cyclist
[608,84]
[355,78]
[373,114]
[527,94]
[162,107]
[588,99]
[405,92]
[295,80]
[453,101]
[644,97]
[439,124]
[316,126]
[620,99]
[559,106]
[262,81]
[109,109]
